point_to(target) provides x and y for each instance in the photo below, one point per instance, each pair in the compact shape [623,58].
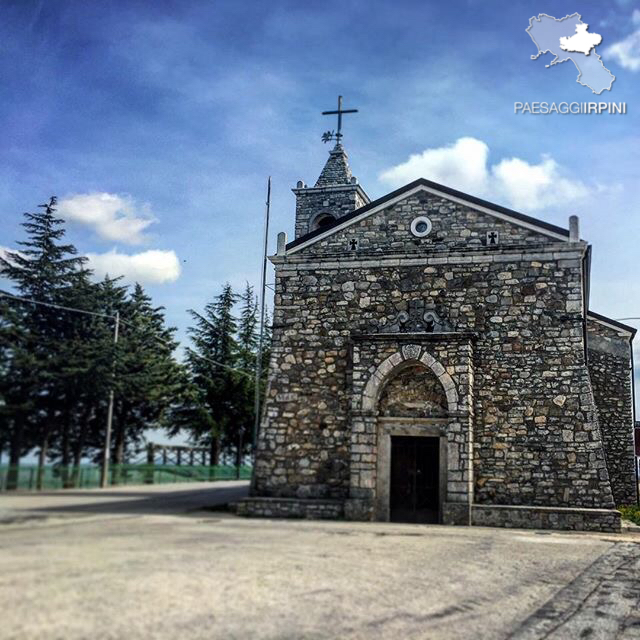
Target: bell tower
[336,191]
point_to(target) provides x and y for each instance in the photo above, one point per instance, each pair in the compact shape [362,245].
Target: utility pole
[263,285]
[107,438]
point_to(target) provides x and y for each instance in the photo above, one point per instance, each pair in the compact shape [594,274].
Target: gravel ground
[147,562]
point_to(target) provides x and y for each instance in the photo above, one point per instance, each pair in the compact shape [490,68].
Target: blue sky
[159,122]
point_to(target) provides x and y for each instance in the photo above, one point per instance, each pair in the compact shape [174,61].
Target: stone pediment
[426,215]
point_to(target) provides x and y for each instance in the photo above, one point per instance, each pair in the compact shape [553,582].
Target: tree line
[59,361]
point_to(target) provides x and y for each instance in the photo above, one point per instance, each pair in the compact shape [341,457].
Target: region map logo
[569,39]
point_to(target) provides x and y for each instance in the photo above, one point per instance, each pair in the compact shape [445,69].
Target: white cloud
[148,267]
[535,186]
[113,217]
[5,251]
[627,51]
[464,165]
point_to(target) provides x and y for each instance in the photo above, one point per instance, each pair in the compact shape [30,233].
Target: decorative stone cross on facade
[492,237]
[330,135]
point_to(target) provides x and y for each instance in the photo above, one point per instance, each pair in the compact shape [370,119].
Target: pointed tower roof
[336,171]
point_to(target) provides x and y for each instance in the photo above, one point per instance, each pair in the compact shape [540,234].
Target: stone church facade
[434,360]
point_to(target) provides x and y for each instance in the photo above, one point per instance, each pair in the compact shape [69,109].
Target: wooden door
[415,470]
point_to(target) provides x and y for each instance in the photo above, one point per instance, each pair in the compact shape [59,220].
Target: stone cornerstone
[430,363]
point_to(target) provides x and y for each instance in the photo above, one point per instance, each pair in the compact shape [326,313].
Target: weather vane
[336,135]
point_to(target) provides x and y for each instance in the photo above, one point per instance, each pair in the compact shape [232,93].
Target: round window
[421,226]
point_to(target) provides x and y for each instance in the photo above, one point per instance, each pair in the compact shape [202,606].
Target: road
[149,562]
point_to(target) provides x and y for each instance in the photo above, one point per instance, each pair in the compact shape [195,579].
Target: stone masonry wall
[536,438]
[546,518]
[610,369]
[288,508]
[455,227]
[337,201]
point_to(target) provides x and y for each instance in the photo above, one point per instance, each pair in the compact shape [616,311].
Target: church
[435,360]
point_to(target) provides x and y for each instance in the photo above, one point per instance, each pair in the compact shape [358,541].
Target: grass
[631,512]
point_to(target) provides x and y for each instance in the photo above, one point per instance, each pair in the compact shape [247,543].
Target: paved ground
[145,562]
[174,499]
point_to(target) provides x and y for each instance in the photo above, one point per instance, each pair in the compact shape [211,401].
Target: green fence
[88,476]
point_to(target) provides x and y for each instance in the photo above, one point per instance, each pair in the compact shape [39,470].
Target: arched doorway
[412,418]
[395,393]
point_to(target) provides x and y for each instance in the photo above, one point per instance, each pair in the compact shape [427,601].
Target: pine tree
[17,378]
[58,361]
[110,298]
[247,325]
[89,353]
[217,401]
[43,269]
[240,435]
[209,410]
[147,376]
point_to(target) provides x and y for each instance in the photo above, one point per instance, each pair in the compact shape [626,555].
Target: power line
[243,372]
[55,306]
[129,324]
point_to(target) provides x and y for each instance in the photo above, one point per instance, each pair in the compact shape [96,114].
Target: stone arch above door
[412,390]
[407,355]
[376,358]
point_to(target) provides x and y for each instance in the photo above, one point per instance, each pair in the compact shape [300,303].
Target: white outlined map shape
[546,31]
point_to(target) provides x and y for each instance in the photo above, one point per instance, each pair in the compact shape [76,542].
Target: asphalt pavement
[165,562]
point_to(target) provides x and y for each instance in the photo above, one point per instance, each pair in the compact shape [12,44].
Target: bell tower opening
[322,221]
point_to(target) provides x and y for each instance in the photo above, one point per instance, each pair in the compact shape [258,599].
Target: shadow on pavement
[79,493]
[136,502]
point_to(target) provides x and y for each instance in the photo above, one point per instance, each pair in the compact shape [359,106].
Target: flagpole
[263,286]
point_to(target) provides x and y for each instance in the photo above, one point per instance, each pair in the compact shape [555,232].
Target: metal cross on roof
[331,135]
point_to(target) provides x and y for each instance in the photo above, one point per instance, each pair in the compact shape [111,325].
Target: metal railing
[27,477]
